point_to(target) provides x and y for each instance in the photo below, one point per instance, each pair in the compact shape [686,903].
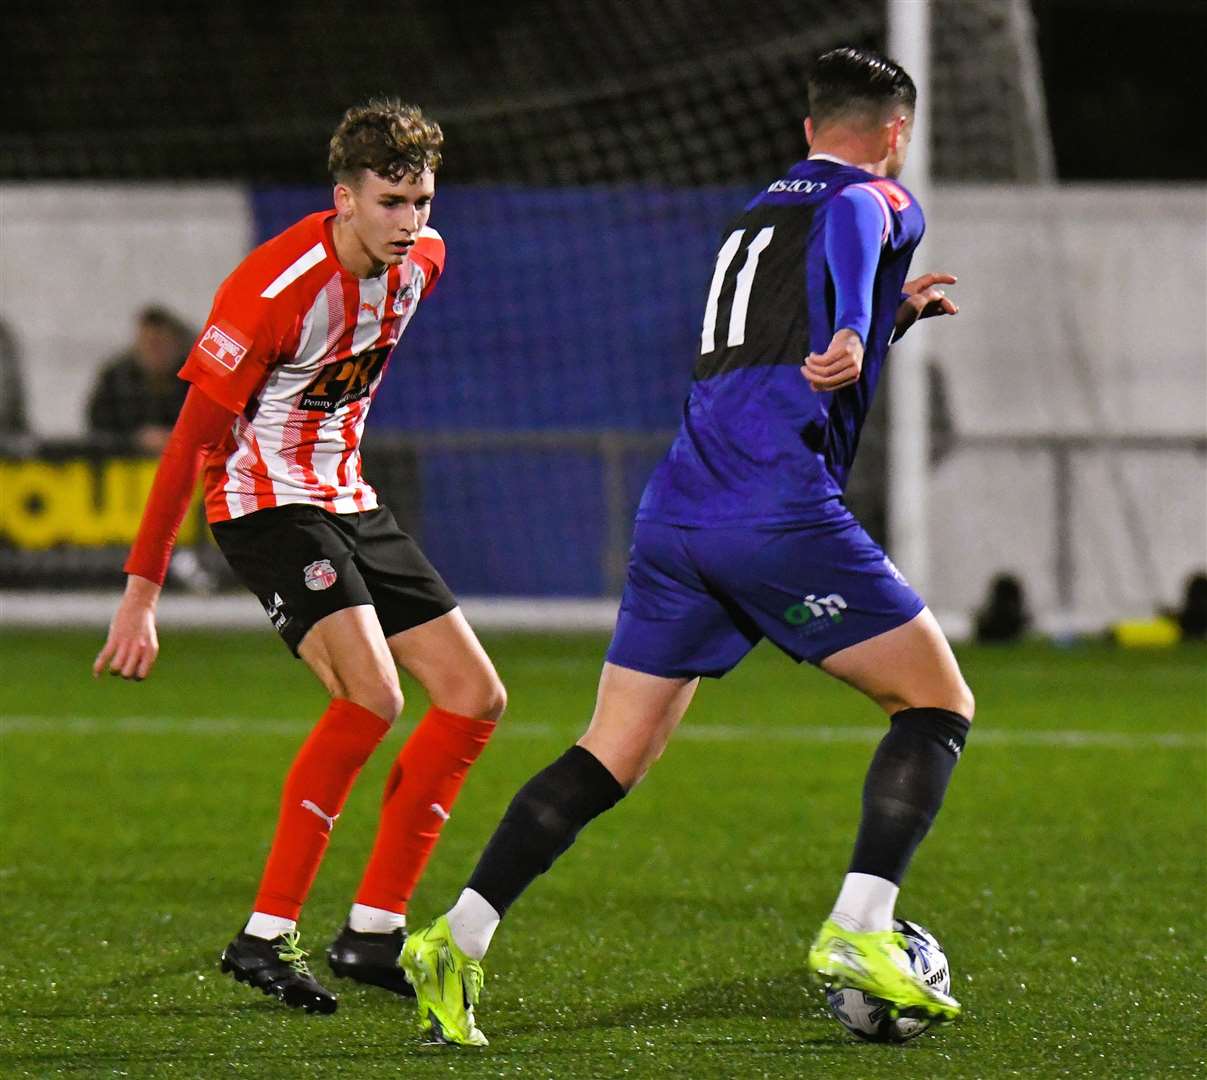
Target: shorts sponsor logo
[814,612]
[319,575]
[222,346]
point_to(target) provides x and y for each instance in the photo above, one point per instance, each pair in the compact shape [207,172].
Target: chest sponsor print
[339,383]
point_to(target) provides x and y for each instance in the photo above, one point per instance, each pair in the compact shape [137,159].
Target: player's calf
[542,821]
[903,791]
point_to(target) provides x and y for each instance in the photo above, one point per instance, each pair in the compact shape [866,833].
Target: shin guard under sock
[904,789]
[542,821]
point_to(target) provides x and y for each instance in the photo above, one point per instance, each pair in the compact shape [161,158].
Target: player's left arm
[923,299]
[857,225]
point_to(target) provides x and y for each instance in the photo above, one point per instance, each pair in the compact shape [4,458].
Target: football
[868,1017]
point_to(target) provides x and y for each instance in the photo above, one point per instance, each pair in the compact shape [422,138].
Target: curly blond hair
[386,137]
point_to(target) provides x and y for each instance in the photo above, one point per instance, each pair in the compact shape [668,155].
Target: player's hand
[838,366]
[924,300]
[132,645]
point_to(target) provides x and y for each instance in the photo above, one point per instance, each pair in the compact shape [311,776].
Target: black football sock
[904,789]
[542,821]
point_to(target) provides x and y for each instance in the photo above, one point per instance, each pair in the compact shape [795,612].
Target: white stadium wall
[1084,312]
[77,261]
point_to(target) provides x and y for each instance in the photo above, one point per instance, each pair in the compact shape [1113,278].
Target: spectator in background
[1193,616]
[137,396]
[1004,615]
[13,420]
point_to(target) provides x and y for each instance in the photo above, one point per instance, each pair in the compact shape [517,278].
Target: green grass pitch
[1066,875]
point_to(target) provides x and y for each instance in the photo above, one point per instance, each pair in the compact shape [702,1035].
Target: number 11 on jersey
[741,296]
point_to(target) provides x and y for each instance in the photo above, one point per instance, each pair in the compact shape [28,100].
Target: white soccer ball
[868,1017]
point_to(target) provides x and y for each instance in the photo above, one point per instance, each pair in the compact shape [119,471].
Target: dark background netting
[557,91]
[574,91]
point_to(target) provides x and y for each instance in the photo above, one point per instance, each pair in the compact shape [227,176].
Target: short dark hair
[857,83]
[158,317]
[386,137]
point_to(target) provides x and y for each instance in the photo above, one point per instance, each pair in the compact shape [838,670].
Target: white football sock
[473,923]
[268,926]
[374,920]
[865,903]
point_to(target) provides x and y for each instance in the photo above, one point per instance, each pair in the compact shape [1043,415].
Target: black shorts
[304,563]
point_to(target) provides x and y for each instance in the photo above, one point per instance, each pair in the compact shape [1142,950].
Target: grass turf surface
[1065,876]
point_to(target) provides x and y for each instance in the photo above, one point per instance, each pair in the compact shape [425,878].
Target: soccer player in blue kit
[742,534]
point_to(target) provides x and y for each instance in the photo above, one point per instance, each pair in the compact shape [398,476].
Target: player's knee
[496,700]
[954,696]
[480,695]
[383,697]
[967,703]
[487,700]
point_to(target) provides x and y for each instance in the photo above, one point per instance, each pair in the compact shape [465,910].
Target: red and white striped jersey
[297,346]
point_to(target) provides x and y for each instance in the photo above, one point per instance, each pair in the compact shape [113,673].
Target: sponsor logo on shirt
[895,196]
[343,381]
[806,187]
[223,346]
[319,575]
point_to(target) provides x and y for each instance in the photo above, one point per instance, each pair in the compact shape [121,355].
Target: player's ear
[344,198]
[809,130]
[894,129]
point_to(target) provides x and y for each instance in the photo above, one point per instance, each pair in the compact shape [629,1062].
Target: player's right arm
[227,365]
[132,645]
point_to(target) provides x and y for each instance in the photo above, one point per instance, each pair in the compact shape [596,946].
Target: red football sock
[420,791]
[315,789]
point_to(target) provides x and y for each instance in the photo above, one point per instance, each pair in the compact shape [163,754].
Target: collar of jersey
[831,157]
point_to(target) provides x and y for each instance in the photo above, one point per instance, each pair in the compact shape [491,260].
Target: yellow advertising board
[80,502]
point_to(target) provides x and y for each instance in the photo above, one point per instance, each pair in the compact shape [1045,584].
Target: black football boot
[277,967]
[370,958]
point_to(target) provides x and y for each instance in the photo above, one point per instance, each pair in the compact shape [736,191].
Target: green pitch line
[710,733]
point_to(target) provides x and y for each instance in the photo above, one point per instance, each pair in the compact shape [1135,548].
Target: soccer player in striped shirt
[281,382]
[742,534]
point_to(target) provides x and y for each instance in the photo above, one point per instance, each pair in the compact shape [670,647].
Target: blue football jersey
[757,445]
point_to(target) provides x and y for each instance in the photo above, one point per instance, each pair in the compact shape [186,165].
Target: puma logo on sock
[314,809]
[440,811]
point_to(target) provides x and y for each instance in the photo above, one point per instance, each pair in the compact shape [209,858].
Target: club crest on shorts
[319,575]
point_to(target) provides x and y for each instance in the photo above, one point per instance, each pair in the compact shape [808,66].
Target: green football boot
[876,963]
[447,985]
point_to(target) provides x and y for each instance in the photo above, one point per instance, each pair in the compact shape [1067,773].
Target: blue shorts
[698,600]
